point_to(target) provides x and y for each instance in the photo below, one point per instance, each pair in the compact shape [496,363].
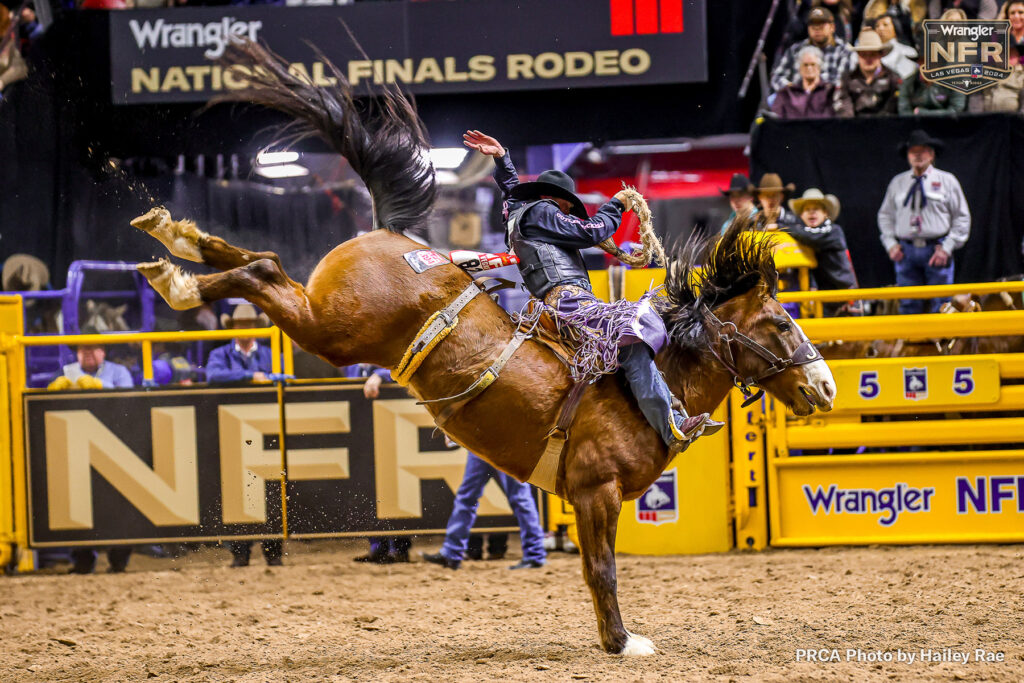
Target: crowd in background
[845,58]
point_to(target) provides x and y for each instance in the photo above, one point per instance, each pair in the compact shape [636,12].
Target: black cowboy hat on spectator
[820,15]
[552,184]
[919,137]
[738,183]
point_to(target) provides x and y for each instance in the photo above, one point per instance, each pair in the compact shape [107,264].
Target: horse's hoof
[637,646]
[152,219]
[179,289]
[180,237]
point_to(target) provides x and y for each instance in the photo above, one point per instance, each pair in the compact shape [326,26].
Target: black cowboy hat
[552,184]
[919,137]
[738,183]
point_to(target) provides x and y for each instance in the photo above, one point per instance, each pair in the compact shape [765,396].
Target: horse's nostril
[828,390]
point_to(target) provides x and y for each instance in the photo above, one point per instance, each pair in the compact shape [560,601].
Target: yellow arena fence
[923,449]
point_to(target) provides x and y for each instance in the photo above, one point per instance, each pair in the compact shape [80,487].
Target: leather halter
[729,334]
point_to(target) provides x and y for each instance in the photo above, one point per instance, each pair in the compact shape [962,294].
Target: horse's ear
[120,310]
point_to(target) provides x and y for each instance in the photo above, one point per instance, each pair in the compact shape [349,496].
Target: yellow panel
[906,433]
[703,523]
[914,498]
[924,292]
[922,326]
[639,282]
[750,494]
[926,383]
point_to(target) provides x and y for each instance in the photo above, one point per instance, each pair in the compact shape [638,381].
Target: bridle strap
[722,350]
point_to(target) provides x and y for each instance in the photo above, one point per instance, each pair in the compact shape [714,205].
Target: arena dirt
[323,617]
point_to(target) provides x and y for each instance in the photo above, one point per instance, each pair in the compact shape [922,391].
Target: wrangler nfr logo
[966,56]
[644,17]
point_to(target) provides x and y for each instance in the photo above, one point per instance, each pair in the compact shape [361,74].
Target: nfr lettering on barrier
[986,494]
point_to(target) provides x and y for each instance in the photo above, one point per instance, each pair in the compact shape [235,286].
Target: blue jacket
[227,364]
[360,370]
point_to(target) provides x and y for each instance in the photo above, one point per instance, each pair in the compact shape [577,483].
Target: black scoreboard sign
[171,55]
[206,464]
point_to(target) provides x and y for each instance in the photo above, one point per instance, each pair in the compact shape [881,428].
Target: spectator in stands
[921,97]
[907,14]
[383,549]
[972,9]
[770,194]
[243,359]
[12,66]
[954,14]
[837,57]
[846,13]
[520,497]
[871,89]
[93,370]
[741,198]
[900,58]
[1006,94]
[817,229]
[923,219]
[29,28]
[810,97]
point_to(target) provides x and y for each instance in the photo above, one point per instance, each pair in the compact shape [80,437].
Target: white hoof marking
[179,289]
[637,646]
[180,237]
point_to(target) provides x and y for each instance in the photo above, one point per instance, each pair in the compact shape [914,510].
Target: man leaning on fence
[923,219]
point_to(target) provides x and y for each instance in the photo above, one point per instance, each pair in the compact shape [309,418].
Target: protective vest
[543,265]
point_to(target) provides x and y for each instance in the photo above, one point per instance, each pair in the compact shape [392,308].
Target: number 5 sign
[900,382]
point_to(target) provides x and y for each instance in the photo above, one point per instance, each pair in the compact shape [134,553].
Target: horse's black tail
[383,139]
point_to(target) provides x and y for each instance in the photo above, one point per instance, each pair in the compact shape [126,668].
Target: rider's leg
[655,398]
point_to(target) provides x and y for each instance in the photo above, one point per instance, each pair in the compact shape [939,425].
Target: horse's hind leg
[185,240]
[597,515]
[262,282]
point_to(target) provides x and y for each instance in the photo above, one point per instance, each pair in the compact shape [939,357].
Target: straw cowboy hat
[918,138]
[738,183]
[24,273]
[814,196]
[772,182]
[244,315]
[869,41]
[552,184]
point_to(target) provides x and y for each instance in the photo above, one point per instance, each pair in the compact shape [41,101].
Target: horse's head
[722,306]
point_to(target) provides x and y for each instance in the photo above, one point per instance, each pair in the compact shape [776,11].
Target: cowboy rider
[548,225]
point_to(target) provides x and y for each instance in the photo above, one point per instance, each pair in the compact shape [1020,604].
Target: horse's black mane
[382,137]
[708,271]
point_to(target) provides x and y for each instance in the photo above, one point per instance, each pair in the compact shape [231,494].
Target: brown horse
[364,303]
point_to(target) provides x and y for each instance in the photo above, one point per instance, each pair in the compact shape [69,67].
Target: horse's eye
[784,327]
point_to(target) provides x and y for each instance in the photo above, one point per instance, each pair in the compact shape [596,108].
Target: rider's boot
[665,413]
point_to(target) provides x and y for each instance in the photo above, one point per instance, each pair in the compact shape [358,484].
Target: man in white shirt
[923,219]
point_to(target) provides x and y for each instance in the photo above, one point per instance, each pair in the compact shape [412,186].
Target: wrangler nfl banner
[901,498]
[426,47]
[206,464]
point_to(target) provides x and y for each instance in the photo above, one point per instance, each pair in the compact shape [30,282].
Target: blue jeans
[914,270]
[478,473]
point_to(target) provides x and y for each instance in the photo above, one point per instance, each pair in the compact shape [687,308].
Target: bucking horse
[364,303]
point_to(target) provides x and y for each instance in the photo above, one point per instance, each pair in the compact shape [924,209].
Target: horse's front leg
[597,517]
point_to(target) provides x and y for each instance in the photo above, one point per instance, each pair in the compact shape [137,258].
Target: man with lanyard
[923,218]
[547,226]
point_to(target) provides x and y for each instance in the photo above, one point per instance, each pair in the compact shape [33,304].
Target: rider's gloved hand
[623,197]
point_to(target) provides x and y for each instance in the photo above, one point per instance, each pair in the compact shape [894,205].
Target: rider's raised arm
[505,173]
[550,225]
